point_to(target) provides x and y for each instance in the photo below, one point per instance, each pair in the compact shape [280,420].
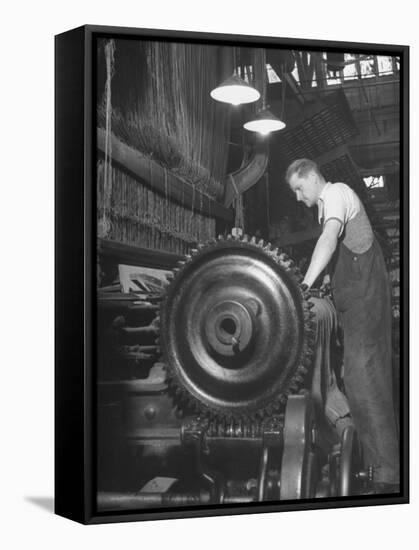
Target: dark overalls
[361,293]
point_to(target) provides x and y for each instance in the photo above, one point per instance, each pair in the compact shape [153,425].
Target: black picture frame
[75,252]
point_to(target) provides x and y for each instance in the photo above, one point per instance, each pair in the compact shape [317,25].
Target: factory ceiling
[343,109]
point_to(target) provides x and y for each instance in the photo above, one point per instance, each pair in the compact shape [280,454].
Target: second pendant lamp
[264,121]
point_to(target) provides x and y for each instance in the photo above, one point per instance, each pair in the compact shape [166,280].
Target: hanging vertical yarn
[142,217]
[155,99]
[162,107]
[104,224]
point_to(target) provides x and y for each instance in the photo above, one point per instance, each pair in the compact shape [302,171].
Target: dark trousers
[362,297]
[329,401]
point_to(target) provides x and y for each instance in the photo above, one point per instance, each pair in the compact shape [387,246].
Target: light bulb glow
[235,94]
[264,125]
[236,91]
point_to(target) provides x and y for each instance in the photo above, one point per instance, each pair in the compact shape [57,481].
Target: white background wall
[26,199]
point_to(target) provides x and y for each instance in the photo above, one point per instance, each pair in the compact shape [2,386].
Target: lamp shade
[236,91]
[264,122]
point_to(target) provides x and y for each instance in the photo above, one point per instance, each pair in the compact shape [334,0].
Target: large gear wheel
[236,331]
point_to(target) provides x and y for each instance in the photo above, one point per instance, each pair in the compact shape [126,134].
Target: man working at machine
[361,293]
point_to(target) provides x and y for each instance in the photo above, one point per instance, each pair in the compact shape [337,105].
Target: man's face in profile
[306,188]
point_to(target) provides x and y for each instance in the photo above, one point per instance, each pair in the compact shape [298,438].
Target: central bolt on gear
[236,330]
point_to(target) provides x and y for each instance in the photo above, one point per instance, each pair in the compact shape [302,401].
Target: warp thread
[104,223]
[141,216]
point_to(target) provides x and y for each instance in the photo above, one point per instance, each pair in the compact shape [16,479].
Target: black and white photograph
[249,234]
[209,266]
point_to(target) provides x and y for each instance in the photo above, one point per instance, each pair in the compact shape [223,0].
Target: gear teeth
[180,263]
[175,270]
[268,247]
[200,246]
[245,238]
[261,243]
[188,257]
[220,237]
[275,251]
[229,237]
[253,240]
[194,251]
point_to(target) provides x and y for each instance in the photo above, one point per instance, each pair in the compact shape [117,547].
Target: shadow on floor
[46,503]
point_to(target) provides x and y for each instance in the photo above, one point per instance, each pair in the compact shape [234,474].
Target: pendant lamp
[236,91]
[264,122]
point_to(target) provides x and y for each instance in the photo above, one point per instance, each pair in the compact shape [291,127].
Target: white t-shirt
[338,201]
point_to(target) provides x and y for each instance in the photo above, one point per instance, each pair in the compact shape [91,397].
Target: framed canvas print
[231,274]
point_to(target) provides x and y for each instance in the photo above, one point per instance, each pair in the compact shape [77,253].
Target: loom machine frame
[163,437]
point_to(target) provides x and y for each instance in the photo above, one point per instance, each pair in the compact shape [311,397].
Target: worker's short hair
[301,167]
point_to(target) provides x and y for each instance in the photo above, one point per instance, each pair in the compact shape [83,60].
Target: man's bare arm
[323,251]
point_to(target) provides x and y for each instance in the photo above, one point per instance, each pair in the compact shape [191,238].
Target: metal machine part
[220,409]
[236,330]
[298,476]
[268,459]
[351,476]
